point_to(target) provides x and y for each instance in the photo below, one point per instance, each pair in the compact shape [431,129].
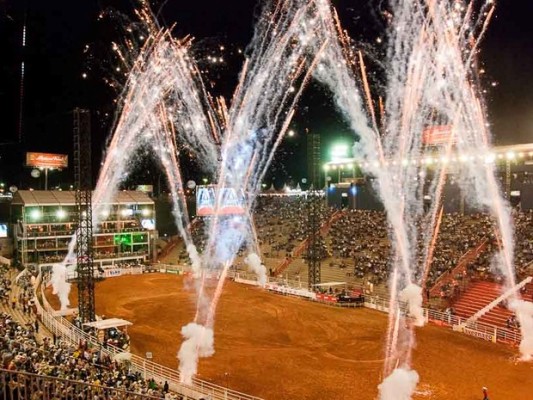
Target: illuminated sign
[231,201]
[340,152]
[46,160]
[145,188]
[437,135]
[148,224]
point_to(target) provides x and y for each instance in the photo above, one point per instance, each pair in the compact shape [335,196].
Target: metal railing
[477,329]
[148,369]
[460,269]
[18,385]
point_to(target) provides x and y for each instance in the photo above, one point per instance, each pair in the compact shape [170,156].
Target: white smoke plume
[524,313]
[254,262]
[198,343]
[196,260]
[60,286]
[412,294]
[400,385]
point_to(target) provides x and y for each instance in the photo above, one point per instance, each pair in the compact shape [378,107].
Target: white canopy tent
[108,323]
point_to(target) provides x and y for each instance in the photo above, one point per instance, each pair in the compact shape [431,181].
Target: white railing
[480,330]
[381,303]
[72,334]
[64,329]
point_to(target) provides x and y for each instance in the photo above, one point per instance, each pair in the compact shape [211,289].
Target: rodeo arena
[326,257]
[308,216]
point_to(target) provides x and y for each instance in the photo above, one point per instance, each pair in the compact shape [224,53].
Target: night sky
[55,59]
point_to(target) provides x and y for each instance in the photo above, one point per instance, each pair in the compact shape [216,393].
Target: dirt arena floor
[279,347]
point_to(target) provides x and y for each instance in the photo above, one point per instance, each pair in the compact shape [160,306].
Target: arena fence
[16,385]
[199,389]
[476,329]
[472,328]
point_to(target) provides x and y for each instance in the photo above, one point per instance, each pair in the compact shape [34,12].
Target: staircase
[478,296]
[460,269]
[17,313]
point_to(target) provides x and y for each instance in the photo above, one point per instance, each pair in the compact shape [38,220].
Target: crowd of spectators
[358,243]
[524,243]
[280,224]
[21,350]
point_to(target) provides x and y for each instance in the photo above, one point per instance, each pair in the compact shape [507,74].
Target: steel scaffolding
[84,231]
[314,217]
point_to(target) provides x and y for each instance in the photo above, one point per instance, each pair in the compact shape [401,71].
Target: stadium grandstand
[43,222]
[44,353]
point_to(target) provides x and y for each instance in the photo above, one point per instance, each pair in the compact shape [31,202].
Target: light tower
[84,231]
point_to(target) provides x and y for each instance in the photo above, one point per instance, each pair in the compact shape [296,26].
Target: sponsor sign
[145,188]
[437,135]
[109,273]
[290,291]
[46,160]
[480,335]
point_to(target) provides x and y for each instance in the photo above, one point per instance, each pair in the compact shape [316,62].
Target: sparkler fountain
[280,64]
[163,77]
[432,80]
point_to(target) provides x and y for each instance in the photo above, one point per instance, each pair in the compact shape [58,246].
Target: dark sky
[58,31]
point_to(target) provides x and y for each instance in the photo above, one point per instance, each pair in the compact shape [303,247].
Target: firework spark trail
[436,213]
[432,45]
[279,66]
[391,335]
[366,87]
[162,74]
[472,122]
[164,145]
[259,103]
[129,127]
[334,73]
[210,319]
[428,258]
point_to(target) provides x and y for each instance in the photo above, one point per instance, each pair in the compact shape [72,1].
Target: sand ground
[279,347]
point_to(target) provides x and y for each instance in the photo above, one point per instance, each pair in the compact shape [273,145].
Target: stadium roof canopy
[108,323]
[29,198]
[517,153]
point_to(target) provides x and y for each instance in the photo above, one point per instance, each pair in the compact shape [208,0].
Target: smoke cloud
[524,313]
[198,343]
[196,260]
[412,294]
[60,286]
[400,385]
[254,262]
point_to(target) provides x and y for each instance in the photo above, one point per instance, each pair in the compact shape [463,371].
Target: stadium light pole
[326,169]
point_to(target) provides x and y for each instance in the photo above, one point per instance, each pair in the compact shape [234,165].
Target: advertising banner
[46,160]
[437,135]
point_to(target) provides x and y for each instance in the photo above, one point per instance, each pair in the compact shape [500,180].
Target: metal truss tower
[314,172]
[84,231]
[314,217]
